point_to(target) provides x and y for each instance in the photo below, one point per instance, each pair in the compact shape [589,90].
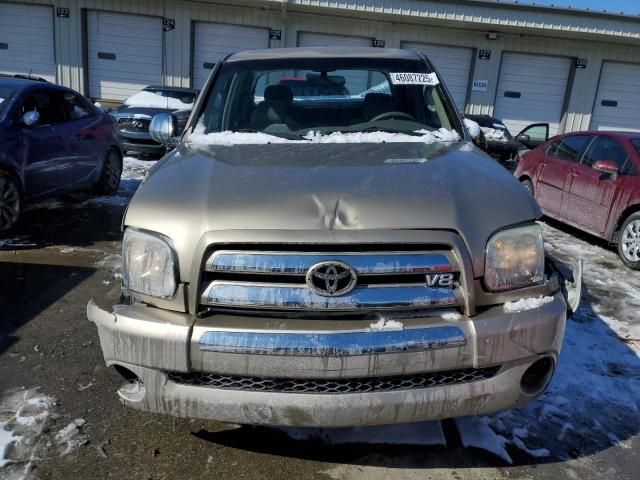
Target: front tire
[10,202]
[629,242]
[111,172]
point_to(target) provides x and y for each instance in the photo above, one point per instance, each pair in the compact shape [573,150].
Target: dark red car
[591,181]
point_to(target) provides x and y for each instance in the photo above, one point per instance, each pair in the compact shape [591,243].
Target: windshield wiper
[288,136]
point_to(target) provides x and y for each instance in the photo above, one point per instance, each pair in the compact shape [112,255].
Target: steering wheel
[386,115]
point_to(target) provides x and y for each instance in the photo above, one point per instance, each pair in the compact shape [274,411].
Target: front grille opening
[334,385]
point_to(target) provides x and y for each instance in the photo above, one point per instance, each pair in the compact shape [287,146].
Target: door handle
[573,174]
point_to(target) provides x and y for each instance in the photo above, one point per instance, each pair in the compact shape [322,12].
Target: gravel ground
[60,417]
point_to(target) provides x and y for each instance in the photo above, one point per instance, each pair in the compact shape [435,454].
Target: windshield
[317,97]
[6,92]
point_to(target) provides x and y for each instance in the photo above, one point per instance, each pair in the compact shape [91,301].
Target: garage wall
[452,63]
[394,27]
[124,54]
[26,40]
[211,41]
[618,100]
[531,89]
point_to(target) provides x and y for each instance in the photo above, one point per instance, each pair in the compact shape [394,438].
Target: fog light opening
[127,374]
[537,376]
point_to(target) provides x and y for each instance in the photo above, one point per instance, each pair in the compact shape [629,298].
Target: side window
[610,150]
[568,148]
[538,132]
[48,105]
[75,106]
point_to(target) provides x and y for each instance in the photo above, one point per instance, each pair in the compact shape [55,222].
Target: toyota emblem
[331,278]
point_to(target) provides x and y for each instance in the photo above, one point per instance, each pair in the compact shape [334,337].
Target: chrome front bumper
[151,342]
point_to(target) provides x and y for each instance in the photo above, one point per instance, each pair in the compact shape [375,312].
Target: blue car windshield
[6,92]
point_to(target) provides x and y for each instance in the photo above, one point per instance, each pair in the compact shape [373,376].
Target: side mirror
[523,138]
[164,129]
[607,167]
[473,128]
[31,118]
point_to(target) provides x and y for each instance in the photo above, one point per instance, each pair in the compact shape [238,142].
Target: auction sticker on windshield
[408,78]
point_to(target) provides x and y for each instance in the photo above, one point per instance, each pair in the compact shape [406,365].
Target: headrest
[281,93]
[375,104]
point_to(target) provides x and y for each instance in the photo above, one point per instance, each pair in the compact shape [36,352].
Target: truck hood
[310,186]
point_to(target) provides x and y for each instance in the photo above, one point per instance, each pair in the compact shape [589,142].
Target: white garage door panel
[355,82]
[214,40]
[136,41]
[27,32]
[541,82]
[453,64]
[619,83]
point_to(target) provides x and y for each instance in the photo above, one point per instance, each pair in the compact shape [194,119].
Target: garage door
[531,89]
[124,53]
[618,99]
[453,64]
[355,82]
[214,40]
[26,40]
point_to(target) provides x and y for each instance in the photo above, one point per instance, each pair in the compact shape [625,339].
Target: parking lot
[59,396]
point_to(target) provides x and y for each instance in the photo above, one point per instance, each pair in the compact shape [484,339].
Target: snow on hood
[494,134]
[228,138]
[473,127]
[153,100]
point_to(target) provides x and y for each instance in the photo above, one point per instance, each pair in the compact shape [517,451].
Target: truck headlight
[148,264]
[514,258]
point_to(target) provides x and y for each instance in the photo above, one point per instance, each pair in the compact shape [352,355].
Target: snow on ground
[593,401]
[28,432]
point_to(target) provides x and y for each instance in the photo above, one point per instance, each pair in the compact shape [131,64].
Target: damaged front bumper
[333,373]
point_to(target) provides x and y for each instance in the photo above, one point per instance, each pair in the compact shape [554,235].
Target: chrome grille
[276,280]
[334,386]
[134,124]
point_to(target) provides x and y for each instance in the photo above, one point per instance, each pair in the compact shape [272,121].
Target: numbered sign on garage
[453,65]
[26,40]
[214,40]
[531,89]
[124,53]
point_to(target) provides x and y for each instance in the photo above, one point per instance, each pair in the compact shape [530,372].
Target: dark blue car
[52,141]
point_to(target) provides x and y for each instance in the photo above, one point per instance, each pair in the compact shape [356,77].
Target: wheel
[110,177]
[10,201]
[629,242]
[526,183]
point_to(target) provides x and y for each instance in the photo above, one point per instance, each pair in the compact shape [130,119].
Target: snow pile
[475,432]
[472,127]
[384,325]
[154,100]
[25,417]
[495,134]
[451,315]
[1,100]
[69,438]
[228,138]
[527,304]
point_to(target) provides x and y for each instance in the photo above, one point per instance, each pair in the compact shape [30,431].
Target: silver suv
[341,255]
